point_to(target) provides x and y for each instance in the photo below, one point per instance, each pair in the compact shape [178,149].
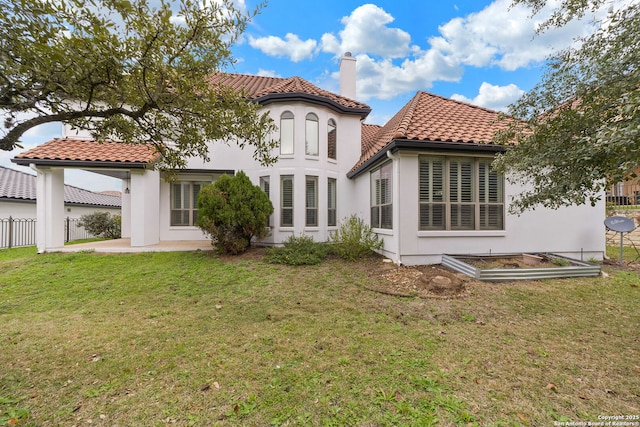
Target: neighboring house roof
[20,186]
[429,118]
[265,90]
[78,152]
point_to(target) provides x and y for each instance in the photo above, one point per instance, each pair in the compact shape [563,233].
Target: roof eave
[79,163]
[315,99]
[411,144]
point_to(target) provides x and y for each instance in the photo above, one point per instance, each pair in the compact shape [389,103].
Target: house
[18,197]
[423,180]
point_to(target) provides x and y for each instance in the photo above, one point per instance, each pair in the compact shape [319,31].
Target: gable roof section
[266,90]
[429,120]
[20,186]
[87,152]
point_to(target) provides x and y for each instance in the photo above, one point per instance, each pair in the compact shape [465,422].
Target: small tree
[233,211]
[102,224]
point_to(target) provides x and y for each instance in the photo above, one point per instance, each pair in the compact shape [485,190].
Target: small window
[332,219]
[311,135]
[265,186]
[311,203]
[332,135]
[382,197]
[286,133]
[184,203]
[286,201]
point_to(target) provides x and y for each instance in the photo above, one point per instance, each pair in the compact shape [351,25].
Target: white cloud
[292,47]
[493,97]
[505,37]
[383,79]
[366,31]
[390,64]
[267,73]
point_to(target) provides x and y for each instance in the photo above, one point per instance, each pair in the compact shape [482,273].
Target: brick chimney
[348,76]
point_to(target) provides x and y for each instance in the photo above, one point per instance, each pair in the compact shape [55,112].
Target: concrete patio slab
[124,246]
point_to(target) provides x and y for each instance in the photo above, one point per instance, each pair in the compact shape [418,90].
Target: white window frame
[187,204]
[332,197]
[311,201]
[287,133]
[382,196]
[265,185]
[332,140]
[460,193]
[312,135]
[286,206]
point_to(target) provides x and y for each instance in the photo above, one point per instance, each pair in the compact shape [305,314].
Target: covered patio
[124,246]
[133,164]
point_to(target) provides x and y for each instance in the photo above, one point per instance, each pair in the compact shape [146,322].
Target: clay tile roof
[257,88]
[16,185]
[74,149]
[368,136]
[428,117]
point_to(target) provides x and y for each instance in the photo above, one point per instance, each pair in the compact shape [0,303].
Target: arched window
[332,135]
[311,135]
[286,133]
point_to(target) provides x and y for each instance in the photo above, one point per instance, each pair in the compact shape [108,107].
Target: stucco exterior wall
[230,157]
[28,210]
[575,231]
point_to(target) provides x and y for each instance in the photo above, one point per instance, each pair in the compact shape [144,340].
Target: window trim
[332,142]
[284,208]
[265,185]
[376,203]
[449,228]
[192,208]
[311,118]
[288,115]
[311,208]
[332,202]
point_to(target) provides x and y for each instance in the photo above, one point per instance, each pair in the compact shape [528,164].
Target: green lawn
[194,339]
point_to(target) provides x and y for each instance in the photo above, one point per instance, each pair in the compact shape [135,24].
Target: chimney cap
[347,54]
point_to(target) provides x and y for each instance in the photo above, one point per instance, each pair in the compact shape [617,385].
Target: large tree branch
[10,140]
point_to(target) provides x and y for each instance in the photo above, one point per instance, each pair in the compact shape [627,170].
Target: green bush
[354,239]
[102,224]
[301,250]
[233,211]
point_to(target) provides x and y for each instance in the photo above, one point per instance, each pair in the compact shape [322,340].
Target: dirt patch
[499,262]
[423,281]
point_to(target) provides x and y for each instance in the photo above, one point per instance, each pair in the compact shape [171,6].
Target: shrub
[301,250]
[354,239]
[233,211]
[102,224]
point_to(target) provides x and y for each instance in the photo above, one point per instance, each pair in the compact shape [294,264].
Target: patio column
[125,209]
[49,208]
[145,208]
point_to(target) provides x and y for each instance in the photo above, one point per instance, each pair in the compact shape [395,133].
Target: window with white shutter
[184,202]
[286,200]
[311,201]
[332,219]
[382,197]
[460,193]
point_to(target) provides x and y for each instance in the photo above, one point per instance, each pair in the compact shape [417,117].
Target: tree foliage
[127,71]
[580,126]
[102,224]
[233,211]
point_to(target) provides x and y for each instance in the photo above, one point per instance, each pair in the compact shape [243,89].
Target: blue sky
[477,51]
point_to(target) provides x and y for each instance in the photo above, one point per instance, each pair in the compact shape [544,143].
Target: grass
[193,339]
